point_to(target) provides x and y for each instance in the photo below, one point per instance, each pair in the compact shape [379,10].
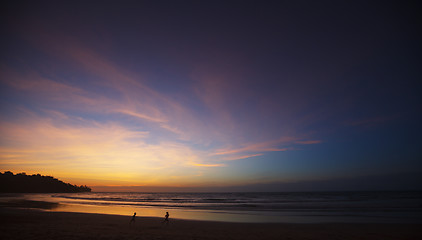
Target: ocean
[289,207]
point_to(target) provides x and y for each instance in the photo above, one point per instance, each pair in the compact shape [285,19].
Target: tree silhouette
[36,183]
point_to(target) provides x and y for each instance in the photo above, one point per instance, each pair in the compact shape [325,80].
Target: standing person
[166,218]
[133,218]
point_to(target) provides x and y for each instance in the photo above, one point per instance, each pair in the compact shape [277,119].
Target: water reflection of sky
[229,215]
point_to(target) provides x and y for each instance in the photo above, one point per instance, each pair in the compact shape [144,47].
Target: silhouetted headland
[36,183]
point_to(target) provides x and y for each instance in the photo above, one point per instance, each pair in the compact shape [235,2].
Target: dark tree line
[36,183]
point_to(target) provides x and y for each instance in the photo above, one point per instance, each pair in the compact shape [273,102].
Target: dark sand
[25,224]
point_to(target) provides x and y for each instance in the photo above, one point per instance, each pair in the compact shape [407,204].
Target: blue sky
[210,94]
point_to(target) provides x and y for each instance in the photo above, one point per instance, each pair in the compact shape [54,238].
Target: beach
[299,207]
[210,120]
[18,223]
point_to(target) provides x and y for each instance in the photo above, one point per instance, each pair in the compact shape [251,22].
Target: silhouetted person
[166,218]
[133,218]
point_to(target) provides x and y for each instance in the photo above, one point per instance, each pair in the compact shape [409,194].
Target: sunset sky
[132,94]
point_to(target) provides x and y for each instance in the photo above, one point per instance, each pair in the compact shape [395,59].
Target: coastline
[292,208]
[19,223]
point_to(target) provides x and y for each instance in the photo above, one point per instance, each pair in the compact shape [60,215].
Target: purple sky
[211,94]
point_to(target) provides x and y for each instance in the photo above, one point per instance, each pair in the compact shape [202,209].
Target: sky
[213,95]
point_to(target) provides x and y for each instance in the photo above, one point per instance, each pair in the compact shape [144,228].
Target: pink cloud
[268,146]
[143,103]
[32,82]
[139,115]
[207,165]
[242,157]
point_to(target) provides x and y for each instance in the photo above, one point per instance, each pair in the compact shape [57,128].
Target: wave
[332,201]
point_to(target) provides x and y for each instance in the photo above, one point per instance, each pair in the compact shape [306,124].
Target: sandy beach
[27,224]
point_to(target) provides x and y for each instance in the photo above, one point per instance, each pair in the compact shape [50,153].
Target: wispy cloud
[101,150]
[241,157]
[135,134]
[268,146]
[259,149]
[208,165]
[139,115]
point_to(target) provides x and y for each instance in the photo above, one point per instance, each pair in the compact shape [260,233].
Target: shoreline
[48,203]
[18,223]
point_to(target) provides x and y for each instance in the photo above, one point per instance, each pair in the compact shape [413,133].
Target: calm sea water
[304,207]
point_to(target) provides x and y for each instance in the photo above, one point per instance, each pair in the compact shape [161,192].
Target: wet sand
[27,224]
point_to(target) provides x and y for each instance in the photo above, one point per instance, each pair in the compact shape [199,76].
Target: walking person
[166,218]
[133,218]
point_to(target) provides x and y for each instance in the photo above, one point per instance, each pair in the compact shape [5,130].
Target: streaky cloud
[241,157]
